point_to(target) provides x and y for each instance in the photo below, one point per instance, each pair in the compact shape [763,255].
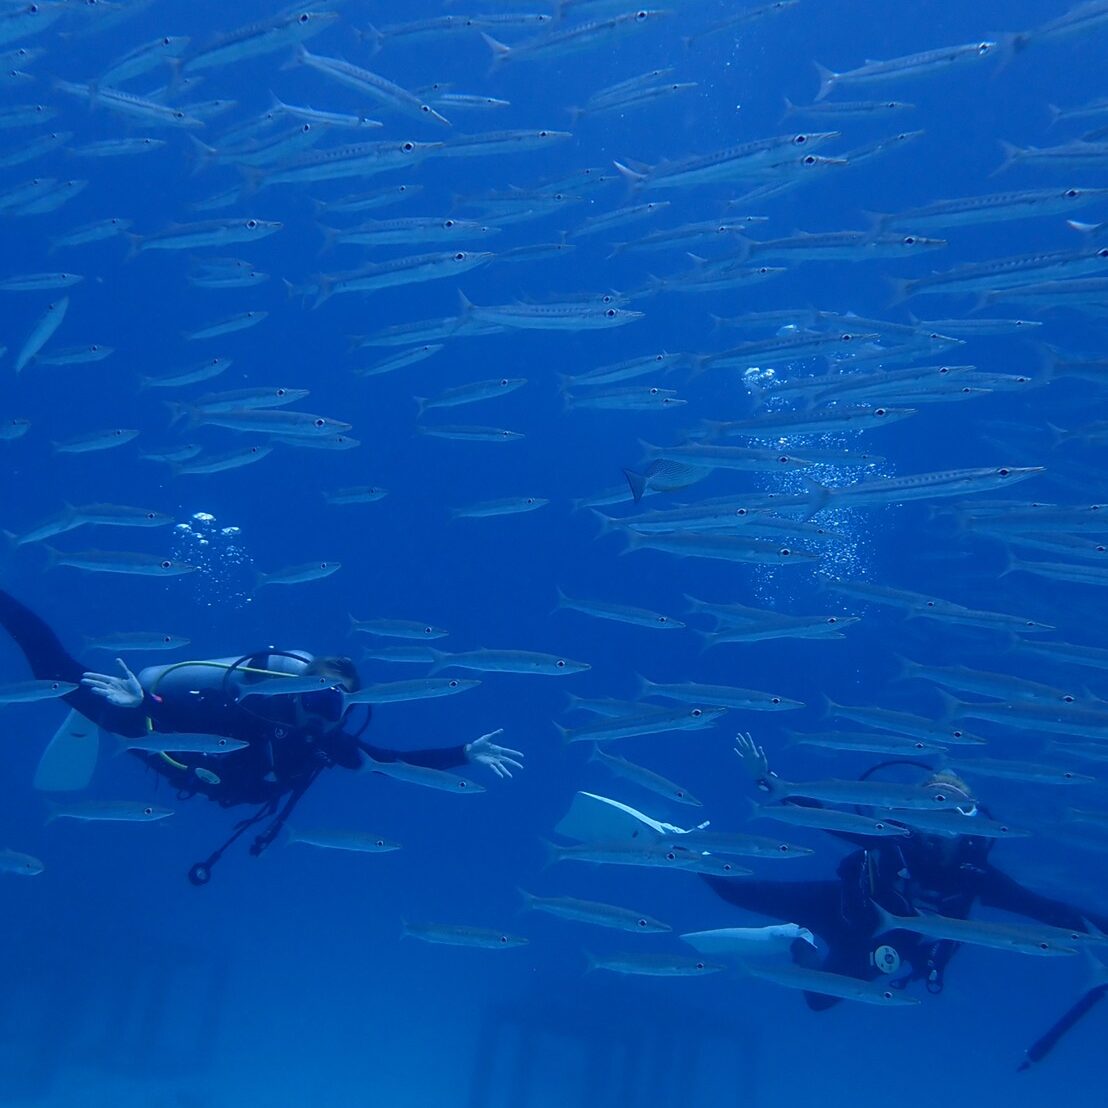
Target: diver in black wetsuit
[946,876]
[291,737]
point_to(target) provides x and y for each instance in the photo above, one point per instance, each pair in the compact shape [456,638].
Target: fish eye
[459,257]
[222,742]
[832,619]
[887,995]
[696,713]
[1072,193]
[775,700]
[700,965]
[663,619]
[880,411]
[544,134]
[741,511]
[641,15]
[1044,946]
[800,140]
[166,638]
[654,391]
[1067,775]
[378,842]
[641,922]
[320,422]
[148,811]
[503,380]
[1102,253]
[166,564]
[424,108]
[560,663]
[809,159]
[931,604]
[166,41]
[448,223]
[611,313]
[1003,472]
[784,552]
[784,848]
[408,147]
[909,240]
[784,459]
[984,47]
[453,682]
[251,224]
[323,565]
[879,826]
[461,784]
[957,734]
[304,17]
[764,269]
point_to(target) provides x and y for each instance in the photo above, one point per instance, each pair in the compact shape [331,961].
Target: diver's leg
[50,661]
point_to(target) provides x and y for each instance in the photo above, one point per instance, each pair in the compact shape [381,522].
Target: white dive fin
[597,819]
[68,761]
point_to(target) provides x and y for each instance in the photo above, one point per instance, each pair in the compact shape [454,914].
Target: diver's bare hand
[124,692]
[484,752]
[752,756]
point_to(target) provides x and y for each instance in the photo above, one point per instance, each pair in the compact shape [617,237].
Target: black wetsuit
[282,756]
[941,875]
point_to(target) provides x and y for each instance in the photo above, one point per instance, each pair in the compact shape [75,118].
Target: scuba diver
[944,875]
[290,737]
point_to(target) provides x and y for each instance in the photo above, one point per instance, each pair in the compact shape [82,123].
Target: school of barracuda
[812,389]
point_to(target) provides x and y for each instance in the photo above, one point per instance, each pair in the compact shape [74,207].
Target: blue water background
[285,981]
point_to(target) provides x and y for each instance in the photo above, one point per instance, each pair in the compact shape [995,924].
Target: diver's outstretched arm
[500,759]
[123,692]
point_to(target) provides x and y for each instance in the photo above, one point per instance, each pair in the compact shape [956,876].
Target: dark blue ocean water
[285,981]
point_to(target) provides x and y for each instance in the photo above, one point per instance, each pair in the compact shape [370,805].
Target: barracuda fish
[921,604]
[458,433]
[23,865]
[448,24]
[507,661]
[353,842]
[907,66]
[1010,770]
[36,149]
[1007,273]
[692,692]
[405,655]
[30,692]
[120,641]
[741,458]
[635,398]
[955,825]
[846,109]
[1065,653]
[871,794]
[725,548]
[867,742]
[851,246]
[356,494]
[1028,715]
[296,575]
[644,778]
[220,463]
[228,326]
[424,776]
[904,723]
[399,271]
[96,440]
[76,355]
[326,119]
[91,232]
[110,561]
[457,935]
[1081,19]
[575,315]
[269,421]
[1023,938]
[650,722]
[397,629]
[736,843]
[688,234]
[216,232]
[618,218]
[389,232]
[619,613]
[652,965]
[831,984]
[376,87]
[794,627]
[13,428]
[1069,155]
[631,98]
[175,454]
[150,112]
[589,911]
[621,371]
[239,399]
[396,692]
[496,143]
[1002,686]
[37,282]
[734,163]
[609,707]
[51,200]
[30,18]
[108,811]
[829,819]
[400,361]
[507,506]
[368,201]
[920,486]
[181,743]
[277,33]
[997,207]
[1060,571]
[470,394]
[42,332]
[582,36]
[816,422]
[650,856]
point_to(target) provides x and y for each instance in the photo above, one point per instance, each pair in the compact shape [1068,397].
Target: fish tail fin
[563,733]
[818,496]
[440,660]
[1055,113]
[790,109]
[134,245]
[52,811]
[827,80]
[906,668]
[607,523]
[1012,154]
[885,921]
[1058,435]
[204,156]
[527,898]
[53,555]
[500,52]
[591,962]
[575,114]
[324,286]
[330,237]
[1009,44]
[373,36]
[951,706]
[902,289]
[551,853]
[298,58]
[405,928]
[645,684]
[634,177]
[177,412]
[637,483]
[635,541]
[421,405]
